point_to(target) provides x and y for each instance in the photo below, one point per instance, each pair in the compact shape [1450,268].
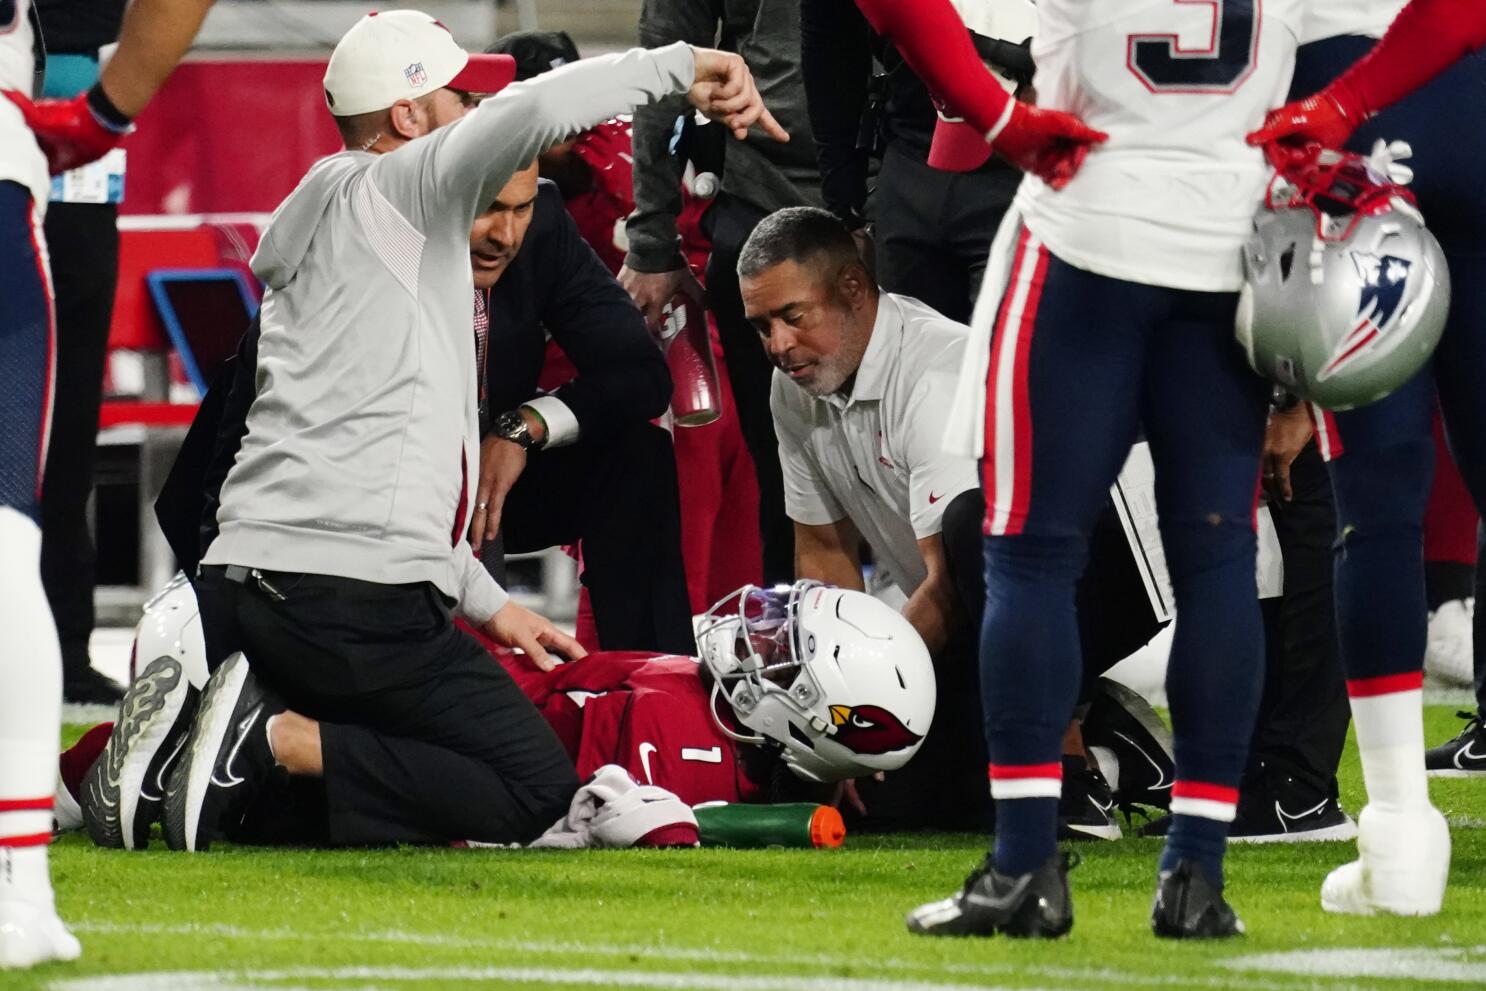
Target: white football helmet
[841,682]
[171,626]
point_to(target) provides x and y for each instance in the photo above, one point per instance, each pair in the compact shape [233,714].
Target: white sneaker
[1449,654]
[1403,865]
[31,933]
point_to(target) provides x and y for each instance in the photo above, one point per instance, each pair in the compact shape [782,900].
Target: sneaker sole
[191,779]
[1341,831]
[1072,832]
[111,790]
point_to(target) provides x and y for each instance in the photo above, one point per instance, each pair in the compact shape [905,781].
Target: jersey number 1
[1165,67]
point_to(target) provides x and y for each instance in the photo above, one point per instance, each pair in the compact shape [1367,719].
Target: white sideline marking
[1467,965]
[567,948]
[269,980]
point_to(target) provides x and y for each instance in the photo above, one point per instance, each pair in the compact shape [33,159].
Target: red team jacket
[645,712]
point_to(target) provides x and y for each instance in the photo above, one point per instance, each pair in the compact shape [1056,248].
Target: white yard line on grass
[1404,963]
[356,978]
[1098,975]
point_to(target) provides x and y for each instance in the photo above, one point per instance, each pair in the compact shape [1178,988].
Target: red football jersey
[645,712]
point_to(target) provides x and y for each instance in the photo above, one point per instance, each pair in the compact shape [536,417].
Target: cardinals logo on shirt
[870,729]
[1384,279]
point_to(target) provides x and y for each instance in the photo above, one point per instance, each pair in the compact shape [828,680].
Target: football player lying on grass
[828,682]
[831,683]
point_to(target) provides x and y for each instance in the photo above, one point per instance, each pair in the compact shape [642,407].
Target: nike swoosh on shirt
[934,498]
[646,749]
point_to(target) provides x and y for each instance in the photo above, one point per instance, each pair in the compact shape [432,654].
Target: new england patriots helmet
[1345,291]
[836,679]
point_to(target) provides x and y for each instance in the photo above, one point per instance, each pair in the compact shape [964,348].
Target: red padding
[119,413]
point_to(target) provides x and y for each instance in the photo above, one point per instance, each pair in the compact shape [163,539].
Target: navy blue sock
[1198,839]
[1026,833]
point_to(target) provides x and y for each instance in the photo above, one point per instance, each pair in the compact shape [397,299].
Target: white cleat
[31,933]
[1403,865]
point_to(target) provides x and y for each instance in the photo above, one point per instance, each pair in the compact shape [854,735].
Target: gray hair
[796,234]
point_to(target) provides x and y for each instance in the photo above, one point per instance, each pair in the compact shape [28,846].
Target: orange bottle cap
[826,827]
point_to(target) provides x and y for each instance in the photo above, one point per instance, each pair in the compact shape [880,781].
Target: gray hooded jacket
[361,458]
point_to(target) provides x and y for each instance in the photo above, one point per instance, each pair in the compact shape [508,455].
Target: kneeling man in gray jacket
[328,598]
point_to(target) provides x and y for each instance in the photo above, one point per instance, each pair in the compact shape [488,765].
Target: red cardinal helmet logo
[870,729]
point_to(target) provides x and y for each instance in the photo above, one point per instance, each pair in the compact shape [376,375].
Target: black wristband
[103,109]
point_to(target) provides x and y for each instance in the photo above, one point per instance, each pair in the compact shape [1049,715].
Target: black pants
[84,245]
[933,229]
[618,499]
[425,738]
[1303,716]
[730,221]
[944,786]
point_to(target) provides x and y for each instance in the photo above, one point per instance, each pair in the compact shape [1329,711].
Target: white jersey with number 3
[1176,84]
[20,160]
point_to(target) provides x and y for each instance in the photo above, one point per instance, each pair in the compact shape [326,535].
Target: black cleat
[1035,905]
[121,793]
[1086,808]
[91,687]
[1122,721]
[226,759]
[1462,757]
[1189,906]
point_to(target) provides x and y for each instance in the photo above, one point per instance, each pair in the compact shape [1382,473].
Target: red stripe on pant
[1013,772]
[1328,438]
[1015,321]
[1386,684]
[42,441]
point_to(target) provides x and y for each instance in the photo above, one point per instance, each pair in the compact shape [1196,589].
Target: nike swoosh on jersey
[646,749]
[934,498]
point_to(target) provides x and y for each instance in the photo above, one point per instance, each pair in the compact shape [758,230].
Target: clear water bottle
[696,399]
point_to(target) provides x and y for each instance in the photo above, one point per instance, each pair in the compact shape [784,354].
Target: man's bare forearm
[155,36]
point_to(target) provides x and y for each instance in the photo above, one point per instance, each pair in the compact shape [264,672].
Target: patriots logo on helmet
[870,729]
[416,74]
[1384,280]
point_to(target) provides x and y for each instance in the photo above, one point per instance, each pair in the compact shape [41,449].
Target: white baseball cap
[393,55]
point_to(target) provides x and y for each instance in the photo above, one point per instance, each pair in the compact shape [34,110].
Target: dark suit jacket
[557,284]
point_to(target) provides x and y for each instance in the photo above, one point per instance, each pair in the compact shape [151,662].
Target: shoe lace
[1472,722]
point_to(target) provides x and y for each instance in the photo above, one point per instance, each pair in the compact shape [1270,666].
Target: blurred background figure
[594,172]
[83,239]
[758,177]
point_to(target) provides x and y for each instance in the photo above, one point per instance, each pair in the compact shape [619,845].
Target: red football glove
[1048,143]
[69,132]
[1326,119]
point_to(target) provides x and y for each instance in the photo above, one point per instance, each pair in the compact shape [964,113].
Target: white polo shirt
[876,456]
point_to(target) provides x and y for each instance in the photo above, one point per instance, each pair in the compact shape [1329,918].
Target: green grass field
[238,919]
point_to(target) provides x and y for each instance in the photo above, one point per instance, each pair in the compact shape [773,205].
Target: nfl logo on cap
[416,76]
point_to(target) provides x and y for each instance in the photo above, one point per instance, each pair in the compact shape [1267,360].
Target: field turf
[400,920]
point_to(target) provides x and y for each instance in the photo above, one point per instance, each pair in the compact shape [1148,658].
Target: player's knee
[1028,559]
[1382,496]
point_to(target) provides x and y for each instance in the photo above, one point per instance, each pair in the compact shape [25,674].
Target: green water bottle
[798,824]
